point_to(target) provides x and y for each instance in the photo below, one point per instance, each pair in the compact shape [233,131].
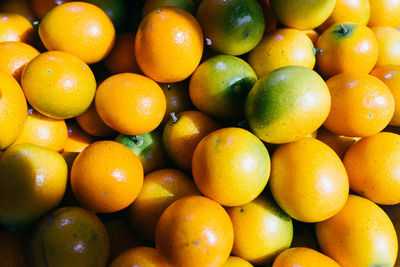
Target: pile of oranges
[209,133]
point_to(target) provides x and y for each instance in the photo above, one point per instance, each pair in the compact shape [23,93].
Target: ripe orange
[14,27]
[92,124]
[139,256]
[308,180]
[234,261]
[79,28]
[300,256]
[362,105]
[393,211]
[168,44]
[339,143]
[194,231]
[42,7]
[384,13]
[106,176]
[77,140]
[388,45]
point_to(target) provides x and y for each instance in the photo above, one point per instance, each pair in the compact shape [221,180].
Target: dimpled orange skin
[308,180]
[14,56]
[160,189]
[231,166]
[354,49]
[106,176]
[140,257]
[388,45]
[43,131]
[58,85]
[362,105]
[130,103]
[361,234]
[14,27]
[195,231]
[169,44]
[372,166]
[180,138]
[300,256]
[390,75]
[77,140]
[79,28]
[384,13]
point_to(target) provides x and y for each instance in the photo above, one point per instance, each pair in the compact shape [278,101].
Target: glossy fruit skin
[300,256]
[130,103]
[58,85]
[232,27]
[70,236]
[139,256]
[188,5]
[384,13]
[117,10]
[14,27]
[287,104]
[388,45]
[255,240]
[234,261]
[361,234]
[194,231]
[106,177]
[346,47]
[168,44]
[90,34]
[362,105]
[308,180]
[304,14]
[232,153]
[219,86]
[160,189]
[280,48]
[39,179]
[13,110]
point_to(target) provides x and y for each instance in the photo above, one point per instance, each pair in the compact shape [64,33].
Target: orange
[384,13]
[130,103]
[70,236]
[13,248]
[182,134]
[362,105]
[32,182]
[188,5]
[388,45]
[92,124]
[372,166]
[42,7]
[122,56]
[357,11]
[43,131]
[194,231]
[393,212]
[160,189]
[77,140]
[140,257]
[280,48]
[261,229]
[361,234]
[287,104]
[21,7]
[231,166]
[339,143]
[390,75]
[168,44]
[308,180]
[79,28]
[14,27]
[313,35]
[14,56]
[234,261]
[13,110]
[69,84]
[346,47]
[303,257]
[302,14]
[106,176]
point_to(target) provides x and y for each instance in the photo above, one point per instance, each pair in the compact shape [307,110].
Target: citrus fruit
[300,256]
[139,256]
[393,211]
[21,7]
[388,45]
[254,238]
[346,47]
[236,155]
[13,248]
[234,261]
[302,14]
[117,10]
[194,231]
[219,86]
[77,140]
[130,103]
[362,105]
[58,85]
[308,180]
[106,176]
[313,35]
[339,143]
[32,182]
[13,110]
[280,48]
[361,234]
[287,104]
[14,27]
[384,13]
[42,7]
[270,20]
[168,44]
[188,5]
[70,236]
[231,27]
[79,28]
